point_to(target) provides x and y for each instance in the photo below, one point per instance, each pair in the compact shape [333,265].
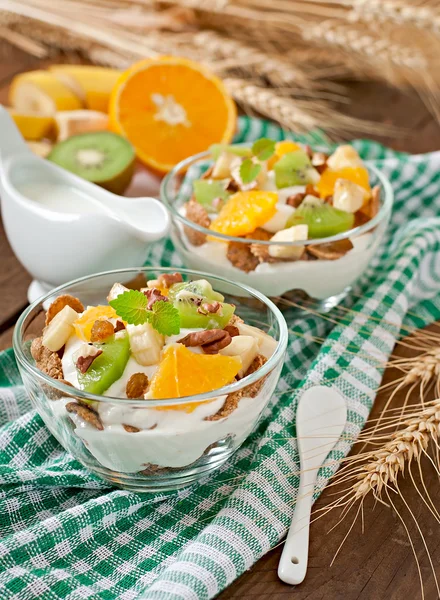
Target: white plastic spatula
[320,420]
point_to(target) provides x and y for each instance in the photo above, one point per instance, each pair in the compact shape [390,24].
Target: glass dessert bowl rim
[68,390]
[183,165]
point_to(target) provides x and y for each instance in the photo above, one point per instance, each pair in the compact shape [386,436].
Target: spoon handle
[293,562]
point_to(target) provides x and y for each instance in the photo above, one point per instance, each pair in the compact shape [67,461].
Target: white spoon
[320,420]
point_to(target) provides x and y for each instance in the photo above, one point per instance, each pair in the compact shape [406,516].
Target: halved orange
[170,108]
[184,373]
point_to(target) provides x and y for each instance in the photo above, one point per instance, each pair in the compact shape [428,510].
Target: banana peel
[40,91]
[93,85]
[33,126]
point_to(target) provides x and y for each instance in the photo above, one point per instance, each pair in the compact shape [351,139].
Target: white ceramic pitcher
[56,242]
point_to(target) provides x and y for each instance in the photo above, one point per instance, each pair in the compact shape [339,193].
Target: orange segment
[282,148]
[184,373]
[244,212]
[326,184]
[83,325]
[170,108]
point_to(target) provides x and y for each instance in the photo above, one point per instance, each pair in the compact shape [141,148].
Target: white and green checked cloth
[66,534]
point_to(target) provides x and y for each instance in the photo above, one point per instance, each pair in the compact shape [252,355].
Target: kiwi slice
[294,168]
[216,149]
[187,297]
[101,157]
[322,219]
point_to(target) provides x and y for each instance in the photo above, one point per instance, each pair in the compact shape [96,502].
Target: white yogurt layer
[318,278]
[168,437]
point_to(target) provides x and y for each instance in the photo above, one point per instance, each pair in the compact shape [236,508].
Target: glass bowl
[151,445]
[321,284]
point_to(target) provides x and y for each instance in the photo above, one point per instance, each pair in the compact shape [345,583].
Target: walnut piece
[101,330]
[166,280]
[232,330]
[197,214]
[59,303]
[86,356]
[119,326]
[86,413]
[154,295]
[130,428]
[210,340]
[137,385]
[47,361]
[295,199]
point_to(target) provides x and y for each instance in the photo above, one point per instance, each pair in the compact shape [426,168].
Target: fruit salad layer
[170,339]
[281,192]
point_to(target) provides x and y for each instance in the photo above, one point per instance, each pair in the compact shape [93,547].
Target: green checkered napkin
[66,534]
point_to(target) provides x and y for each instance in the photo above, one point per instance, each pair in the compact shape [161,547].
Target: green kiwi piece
[199,288]
[294,168]
[106,368]
[216,149]
[323,220]
[102,157]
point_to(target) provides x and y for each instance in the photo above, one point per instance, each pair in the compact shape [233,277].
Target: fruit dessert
[292,197]
[169,340]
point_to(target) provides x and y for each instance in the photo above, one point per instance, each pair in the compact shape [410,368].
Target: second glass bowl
[320,284]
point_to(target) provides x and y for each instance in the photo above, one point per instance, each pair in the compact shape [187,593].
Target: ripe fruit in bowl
[322,219]
[83,325]
[184,373]
[244,212]
[358,175]
[170,108]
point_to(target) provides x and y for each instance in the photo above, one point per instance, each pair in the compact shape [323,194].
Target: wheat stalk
[424,16]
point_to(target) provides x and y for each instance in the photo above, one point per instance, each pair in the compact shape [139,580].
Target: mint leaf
[249,171]
[166,318]
[131,307]
[263,148]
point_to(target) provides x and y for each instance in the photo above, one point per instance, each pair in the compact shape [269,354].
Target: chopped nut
[86,413]
[166,280]
[232,330]
[310,191]
[59,303]
[251,391]
[47,361]
[295,200]
[331,250]
[87,355]
[235,320]
[319,162]
[209,308]
[240,256]
[119,326]
[138,282]
[130,428]
[137,385]
[154,295]
[210,340]
[197,214]
[328,200]
[101,330]
[232,186]
[374,205]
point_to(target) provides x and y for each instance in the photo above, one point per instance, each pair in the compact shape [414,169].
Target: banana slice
[42,92]
[92,84]
[266,343]
[244,346]
[56,334]
[145,343]
[41,149]
[72,122]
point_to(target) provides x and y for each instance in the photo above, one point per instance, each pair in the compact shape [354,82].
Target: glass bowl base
[299,303]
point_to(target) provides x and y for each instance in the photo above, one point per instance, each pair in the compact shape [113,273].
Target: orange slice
[282,148]
[244,212]
[170,108]
[326,184]
[83,325]
[184,373]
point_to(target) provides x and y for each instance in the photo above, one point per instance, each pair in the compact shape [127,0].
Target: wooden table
[379,564]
